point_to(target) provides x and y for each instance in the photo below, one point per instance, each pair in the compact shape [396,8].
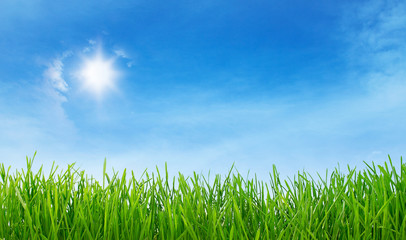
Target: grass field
[367,204]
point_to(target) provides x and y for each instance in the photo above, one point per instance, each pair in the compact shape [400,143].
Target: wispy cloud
[92,42]
[54,73]
[40,121]
[90,47]
[376,33]
[122,54]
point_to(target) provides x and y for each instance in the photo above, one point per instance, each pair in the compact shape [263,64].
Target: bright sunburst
[98,75]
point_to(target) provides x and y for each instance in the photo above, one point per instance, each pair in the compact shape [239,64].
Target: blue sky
[302,85]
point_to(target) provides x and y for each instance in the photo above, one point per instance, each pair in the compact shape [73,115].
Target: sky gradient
[302,85]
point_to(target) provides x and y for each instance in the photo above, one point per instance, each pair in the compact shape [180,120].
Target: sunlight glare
[98,75]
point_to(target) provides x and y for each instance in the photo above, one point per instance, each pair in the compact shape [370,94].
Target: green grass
[368,204]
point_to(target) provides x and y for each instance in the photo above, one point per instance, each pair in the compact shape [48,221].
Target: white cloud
[92,42]
[92,45]
[122,54]
[376,32]
[54,73]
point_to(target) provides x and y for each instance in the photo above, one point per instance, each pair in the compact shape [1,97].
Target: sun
[98,75]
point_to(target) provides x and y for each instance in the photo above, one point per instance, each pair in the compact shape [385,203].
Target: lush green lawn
[368,204]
